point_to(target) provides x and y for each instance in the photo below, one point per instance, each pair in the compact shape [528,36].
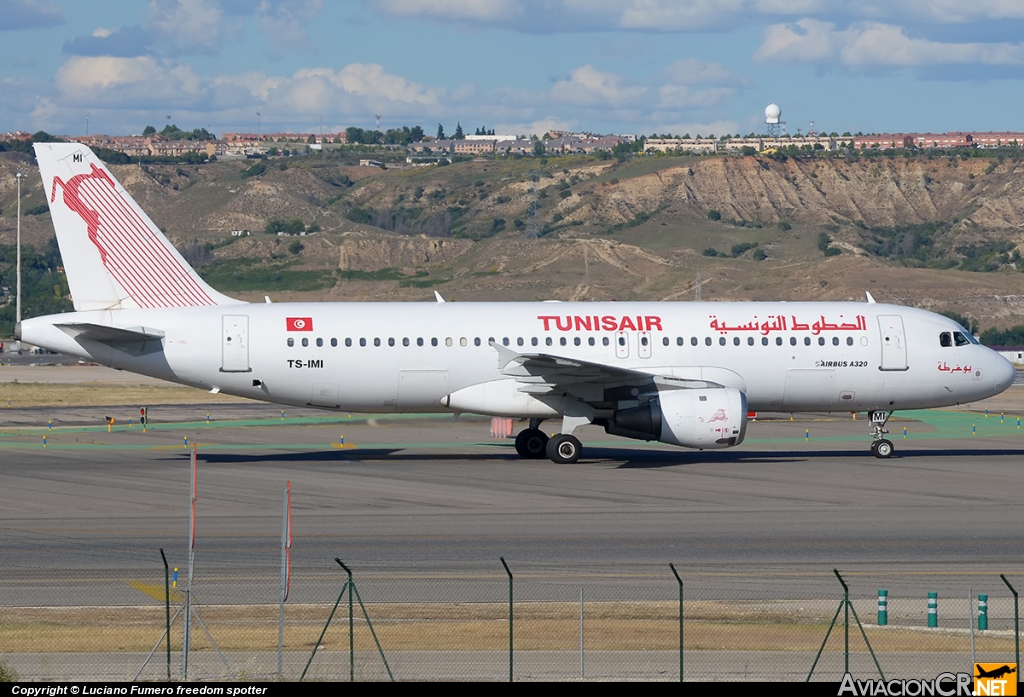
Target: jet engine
[700,418]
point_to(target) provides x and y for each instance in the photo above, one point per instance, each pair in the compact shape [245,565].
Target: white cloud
[589,86]
[874,44]
[537,127]
[29,14]
[188,25]
[807,41]
[286,21]
[358,88]
[140,80]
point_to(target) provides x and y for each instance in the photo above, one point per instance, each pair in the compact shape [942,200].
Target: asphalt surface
[799,497]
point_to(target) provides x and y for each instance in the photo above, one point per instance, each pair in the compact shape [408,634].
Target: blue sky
[519,66]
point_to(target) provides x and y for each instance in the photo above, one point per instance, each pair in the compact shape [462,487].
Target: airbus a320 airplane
[679,373]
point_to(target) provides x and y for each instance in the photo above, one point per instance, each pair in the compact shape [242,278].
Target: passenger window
[591,341]
[849,341]
[764,341]
[476,341]
[504,341]
[821,341]
[562,341]
[319,342]
[547,341]
[622,341]
[735,341]
[533,341]
[693,341]
[448,342]
[605,341]
[419,341]
[750,341]
[334,342]
[490,340]
[291,341]
[707,341]
[679,341]
[946,340]
[778,341]
[721,341]
[305,342]
[376,341]
[576,341]
[391,341]
[835,341]
[519,341]
[463,341]
[665,341]
[959,339]
[348,342]
[362,342]
[807,341]
[792,341]
[405,341]
[433,341]
[643,341]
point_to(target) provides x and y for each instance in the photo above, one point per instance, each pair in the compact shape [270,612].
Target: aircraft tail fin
[114,256]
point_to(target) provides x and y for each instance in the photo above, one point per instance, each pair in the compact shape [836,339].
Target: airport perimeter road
[418,492]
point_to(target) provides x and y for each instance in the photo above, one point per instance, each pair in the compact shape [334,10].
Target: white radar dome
[772,112]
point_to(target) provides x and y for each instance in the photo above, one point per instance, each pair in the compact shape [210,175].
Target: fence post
[982,612]
[1016,621]
[167,609]
[883,607]
[933,609]
[510,634]
[680,582]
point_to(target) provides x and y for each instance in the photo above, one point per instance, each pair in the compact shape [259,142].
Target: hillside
[907,229]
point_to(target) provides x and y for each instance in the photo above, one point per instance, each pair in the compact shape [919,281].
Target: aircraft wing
[542,373]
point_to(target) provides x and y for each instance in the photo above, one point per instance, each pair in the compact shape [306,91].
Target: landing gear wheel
[531,443]
[564,449]
[882,448]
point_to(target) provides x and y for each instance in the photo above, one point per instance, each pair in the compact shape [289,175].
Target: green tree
[440,132]
[714,214]
[149,131]
[459,135]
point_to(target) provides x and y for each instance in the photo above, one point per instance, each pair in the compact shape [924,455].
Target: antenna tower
[378,121]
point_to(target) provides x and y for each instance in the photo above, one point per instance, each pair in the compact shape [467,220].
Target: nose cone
[1003,372]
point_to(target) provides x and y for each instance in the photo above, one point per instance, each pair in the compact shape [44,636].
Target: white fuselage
[407,357]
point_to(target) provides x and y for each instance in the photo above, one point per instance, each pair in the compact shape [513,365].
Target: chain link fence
[543,623]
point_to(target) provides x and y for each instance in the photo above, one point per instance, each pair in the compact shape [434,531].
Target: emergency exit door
[894,342]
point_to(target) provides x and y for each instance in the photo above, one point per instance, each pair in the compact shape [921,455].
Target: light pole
[17,308]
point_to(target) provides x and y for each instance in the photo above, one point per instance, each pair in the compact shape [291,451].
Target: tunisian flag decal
[300,324]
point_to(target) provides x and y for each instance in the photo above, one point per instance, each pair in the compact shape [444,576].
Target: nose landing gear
[880,448]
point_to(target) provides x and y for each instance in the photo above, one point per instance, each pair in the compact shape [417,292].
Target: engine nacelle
[705,418]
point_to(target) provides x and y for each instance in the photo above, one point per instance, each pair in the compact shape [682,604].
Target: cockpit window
[945,340]
[960,340]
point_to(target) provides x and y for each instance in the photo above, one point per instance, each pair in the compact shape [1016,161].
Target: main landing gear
[533,444]
[881,447]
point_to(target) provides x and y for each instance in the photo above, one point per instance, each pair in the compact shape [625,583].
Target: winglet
[871,301]
[438,296]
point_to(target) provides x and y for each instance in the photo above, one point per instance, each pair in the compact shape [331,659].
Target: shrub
[714,214]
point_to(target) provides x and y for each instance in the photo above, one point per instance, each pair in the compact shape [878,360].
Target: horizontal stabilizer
[109,335]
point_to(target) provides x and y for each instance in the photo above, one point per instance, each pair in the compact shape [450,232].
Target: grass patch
[244,274]
[29,394]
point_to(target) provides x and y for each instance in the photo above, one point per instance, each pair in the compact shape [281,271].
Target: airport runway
[419,493]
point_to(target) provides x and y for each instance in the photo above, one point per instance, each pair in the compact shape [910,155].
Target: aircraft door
[894,342]
[235,344]
[644,344]
[622,344]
